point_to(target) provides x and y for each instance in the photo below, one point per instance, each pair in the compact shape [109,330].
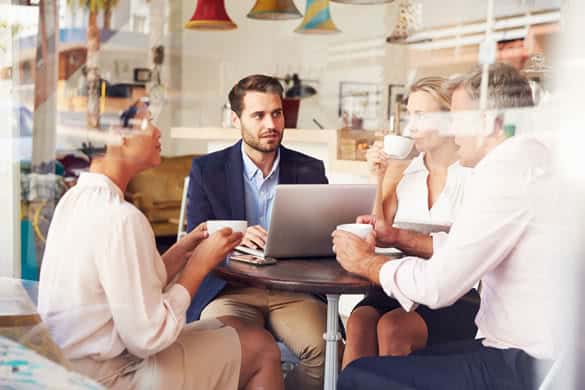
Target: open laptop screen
[305,215]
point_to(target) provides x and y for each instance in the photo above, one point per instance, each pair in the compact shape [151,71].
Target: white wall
[213,61]
[117,66]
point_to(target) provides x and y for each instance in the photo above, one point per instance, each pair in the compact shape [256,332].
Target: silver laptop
[305,215]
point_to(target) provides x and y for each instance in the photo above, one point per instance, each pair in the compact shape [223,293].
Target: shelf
[329,139]
[230,134]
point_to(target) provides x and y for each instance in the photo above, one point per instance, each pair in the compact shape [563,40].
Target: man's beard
[256,144]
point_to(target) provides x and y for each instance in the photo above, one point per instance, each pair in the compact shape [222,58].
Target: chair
[157,193]
[181,228]
[288,358]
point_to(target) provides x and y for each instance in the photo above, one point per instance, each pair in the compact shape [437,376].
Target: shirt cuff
[439,240]
[178,299]
[388,283]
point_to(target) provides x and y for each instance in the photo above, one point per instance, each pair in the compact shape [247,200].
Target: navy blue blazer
[216,191]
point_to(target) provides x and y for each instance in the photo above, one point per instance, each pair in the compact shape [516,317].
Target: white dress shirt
[502,235]
[102,278]
[259,191]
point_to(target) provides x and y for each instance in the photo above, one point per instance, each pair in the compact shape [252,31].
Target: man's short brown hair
[255,83]
[507,87]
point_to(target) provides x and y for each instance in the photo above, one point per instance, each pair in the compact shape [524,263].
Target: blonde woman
[428,189]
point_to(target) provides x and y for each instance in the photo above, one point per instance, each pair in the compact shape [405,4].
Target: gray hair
[507,87]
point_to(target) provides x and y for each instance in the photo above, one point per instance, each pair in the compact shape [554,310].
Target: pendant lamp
[210,15]
[274,10]
[317,19]
[359,2]
[409,19]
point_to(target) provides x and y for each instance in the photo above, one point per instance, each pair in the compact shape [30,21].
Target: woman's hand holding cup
[377,160]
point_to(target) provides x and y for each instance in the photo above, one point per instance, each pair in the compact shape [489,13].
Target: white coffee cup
[236,226]
[359,229]
[397,146]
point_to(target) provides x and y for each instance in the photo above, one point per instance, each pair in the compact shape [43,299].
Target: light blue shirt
[259,190]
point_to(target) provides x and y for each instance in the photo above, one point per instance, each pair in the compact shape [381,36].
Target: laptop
[305,215]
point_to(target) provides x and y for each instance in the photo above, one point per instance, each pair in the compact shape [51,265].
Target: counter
[336,147]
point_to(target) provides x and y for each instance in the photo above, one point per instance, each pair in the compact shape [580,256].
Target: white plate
[421,227]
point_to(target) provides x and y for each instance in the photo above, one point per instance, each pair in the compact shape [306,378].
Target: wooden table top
[310,275]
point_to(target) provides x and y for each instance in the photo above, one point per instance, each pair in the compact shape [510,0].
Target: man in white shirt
[117,308]
[500,236]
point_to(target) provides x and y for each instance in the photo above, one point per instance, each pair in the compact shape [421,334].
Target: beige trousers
[206,355]
[298,320]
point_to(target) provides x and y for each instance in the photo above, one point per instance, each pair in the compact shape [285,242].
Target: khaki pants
[298,320]
[206,355]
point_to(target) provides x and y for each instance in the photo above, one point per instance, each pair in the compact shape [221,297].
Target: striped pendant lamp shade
[274,10]
[317,19]
[210,15]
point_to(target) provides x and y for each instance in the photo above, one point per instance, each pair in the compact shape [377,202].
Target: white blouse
[412,194]
[102,278]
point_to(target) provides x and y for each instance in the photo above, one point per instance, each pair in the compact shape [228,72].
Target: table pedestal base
[332,337]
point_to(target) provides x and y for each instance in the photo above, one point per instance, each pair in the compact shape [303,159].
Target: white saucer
[422,227]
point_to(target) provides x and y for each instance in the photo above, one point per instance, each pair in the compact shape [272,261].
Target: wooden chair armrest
[135,198]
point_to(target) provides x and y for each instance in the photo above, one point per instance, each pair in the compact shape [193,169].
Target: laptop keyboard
[250,251]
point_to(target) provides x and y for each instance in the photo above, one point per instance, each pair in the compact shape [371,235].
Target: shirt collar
[99,180]
[417,165]
[251,170]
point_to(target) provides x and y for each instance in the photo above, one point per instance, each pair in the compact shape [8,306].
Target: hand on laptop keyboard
[255,237]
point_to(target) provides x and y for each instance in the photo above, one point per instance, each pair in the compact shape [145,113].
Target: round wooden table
[310,275]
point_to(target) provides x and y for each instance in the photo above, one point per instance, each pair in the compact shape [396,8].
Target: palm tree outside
[109,6]
[93,47]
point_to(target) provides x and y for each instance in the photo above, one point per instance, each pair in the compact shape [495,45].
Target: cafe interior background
[67,71]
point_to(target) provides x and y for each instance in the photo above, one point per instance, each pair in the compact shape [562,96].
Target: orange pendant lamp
[210,15]
[317,19]
[274,10]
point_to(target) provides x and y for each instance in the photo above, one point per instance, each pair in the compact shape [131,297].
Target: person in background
[239,183]
[513,52]
[429,190]
[503,235]
[117,308]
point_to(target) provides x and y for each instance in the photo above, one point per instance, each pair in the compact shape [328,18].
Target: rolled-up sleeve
[389,285]
[133,277]
[439,240]
[490,224]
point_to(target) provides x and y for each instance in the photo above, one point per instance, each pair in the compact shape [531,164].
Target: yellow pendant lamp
[274,10]
[210,15]
[317,19]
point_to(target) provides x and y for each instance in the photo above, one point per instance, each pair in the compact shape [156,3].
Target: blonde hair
[434,86]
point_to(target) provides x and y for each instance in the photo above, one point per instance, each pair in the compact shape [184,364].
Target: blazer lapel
[235,182]
[287,173]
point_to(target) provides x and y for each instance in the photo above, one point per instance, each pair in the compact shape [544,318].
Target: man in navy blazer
[238,183]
